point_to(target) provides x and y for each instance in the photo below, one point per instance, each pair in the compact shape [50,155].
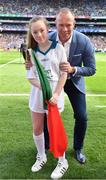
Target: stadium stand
[14,17]
[49,7]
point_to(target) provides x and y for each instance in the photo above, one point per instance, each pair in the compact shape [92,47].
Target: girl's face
[39,32]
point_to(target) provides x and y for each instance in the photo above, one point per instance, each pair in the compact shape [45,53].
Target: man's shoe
[80,157]
[60,170]
[46,149]
[40,162]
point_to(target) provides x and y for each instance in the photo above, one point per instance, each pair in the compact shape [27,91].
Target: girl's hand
[54,99]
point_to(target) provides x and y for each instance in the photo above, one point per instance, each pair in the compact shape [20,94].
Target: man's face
[65,24]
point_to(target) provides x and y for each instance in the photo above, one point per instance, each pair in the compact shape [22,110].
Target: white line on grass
[104,60]
[9,62]
[100,106]
[25,94]
[14,94]
[94,95]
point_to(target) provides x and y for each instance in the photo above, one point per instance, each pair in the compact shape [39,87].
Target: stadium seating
[14,17]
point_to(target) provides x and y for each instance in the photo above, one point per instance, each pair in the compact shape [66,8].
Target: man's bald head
[65,22]
[65,12]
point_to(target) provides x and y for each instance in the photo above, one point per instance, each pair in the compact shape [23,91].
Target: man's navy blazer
[81,55]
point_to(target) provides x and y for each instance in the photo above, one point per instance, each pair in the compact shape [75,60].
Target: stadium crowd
[49,7]
[99,42]
[81,28]
[93,29]
[13,27]
[14,40]
[11,40]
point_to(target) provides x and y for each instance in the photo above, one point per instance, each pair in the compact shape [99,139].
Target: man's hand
[66,67]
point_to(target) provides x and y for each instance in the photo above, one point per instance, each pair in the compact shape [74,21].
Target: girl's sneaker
[40,162]
[60,170]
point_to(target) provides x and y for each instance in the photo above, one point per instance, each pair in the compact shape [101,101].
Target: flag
[57,133]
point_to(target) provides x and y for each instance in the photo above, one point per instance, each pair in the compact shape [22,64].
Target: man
[81,62]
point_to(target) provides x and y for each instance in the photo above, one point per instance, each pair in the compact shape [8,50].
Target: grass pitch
[17,150]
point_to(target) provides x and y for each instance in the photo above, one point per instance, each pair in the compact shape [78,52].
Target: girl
[50,54]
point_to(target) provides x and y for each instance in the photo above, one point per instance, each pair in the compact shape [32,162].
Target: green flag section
[46,89]
[57,133]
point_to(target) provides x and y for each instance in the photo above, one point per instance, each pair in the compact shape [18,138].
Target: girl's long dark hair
[31,43]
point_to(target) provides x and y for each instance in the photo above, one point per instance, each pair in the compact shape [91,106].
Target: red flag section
[57,133]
